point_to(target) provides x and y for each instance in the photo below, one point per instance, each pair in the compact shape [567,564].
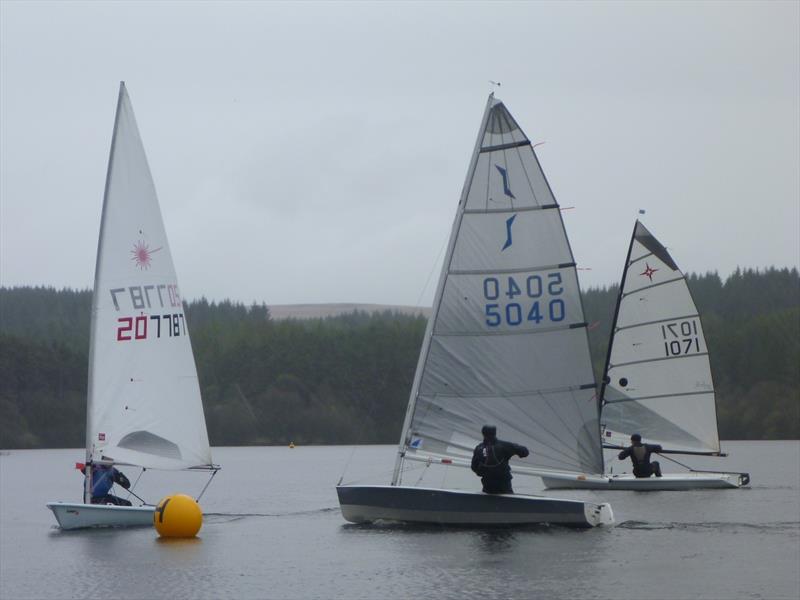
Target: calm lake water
[273,530]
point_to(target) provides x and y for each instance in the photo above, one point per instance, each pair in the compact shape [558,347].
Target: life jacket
[639,454]
[102,480]
[495,462]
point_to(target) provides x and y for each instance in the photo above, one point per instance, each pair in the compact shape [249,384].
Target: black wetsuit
[490,463]
[640,457]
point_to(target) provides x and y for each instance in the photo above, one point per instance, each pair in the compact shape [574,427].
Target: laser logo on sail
[504,175]
[509,223]
[142,255]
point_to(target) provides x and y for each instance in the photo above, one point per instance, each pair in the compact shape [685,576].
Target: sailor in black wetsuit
[490,461]
[640,457]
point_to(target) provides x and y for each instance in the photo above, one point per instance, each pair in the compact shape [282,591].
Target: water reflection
[496,541]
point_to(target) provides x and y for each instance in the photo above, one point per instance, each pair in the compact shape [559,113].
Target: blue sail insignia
[504,175]
[509,222]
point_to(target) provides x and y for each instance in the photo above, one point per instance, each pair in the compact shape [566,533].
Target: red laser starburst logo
[142,254]
[649,271]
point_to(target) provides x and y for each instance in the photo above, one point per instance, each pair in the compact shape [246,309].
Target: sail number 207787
[523,301]
[142,298]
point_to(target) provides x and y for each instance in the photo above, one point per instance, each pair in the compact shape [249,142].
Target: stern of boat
[598,514]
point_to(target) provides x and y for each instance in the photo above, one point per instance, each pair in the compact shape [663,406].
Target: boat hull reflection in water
[367,504]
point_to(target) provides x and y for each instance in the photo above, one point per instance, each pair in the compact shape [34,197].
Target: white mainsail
[658,377]
[506,343]
[144,405]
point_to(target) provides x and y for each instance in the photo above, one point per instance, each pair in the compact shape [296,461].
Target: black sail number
[680,338]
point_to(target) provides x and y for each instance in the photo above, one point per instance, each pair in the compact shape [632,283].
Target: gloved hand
[122,480]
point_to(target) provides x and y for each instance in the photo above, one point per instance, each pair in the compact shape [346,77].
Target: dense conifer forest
[346,379]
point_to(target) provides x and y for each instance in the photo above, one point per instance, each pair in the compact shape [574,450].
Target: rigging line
[558,457]
[675,461]
[430,273]
[203,491]
[558,454]
[488,176]
[129,490]
[358,440]
[525,170]
[560,418]
[138,497]
[505,162]
[422,474]
[582,440]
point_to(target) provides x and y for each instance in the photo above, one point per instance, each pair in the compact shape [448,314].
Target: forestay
[144,404]
[507,341]
[658,378]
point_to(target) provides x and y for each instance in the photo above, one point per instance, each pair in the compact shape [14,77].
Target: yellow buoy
[291,444]
[178,516]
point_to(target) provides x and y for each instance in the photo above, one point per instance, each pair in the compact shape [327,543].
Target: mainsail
[658,377]
[144,405]
[506,343]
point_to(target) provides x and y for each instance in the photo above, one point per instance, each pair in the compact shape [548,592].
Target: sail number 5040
[523,310]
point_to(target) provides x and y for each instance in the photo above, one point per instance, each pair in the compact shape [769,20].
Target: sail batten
[507,341]
[658,379]
[144,405]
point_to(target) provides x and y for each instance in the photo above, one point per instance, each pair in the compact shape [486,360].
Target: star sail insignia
[142,255]
[504,175]
[649,271]
[509,223]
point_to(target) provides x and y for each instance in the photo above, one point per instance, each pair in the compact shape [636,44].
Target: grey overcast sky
[315,152]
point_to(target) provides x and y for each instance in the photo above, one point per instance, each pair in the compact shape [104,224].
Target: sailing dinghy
[144,407]
[506,344]
[657,377]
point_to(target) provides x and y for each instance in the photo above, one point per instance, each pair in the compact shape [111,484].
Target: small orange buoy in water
[178,516]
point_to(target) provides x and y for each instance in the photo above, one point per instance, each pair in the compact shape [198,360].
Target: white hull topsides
[76,515]
[366,504]
[696,480]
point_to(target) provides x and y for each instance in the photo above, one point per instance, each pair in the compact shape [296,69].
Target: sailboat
[506,344]
[144,407]
[657,376]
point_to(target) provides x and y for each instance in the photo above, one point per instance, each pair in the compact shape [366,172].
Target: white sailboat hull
[670,481]
[76,515]
[366,504]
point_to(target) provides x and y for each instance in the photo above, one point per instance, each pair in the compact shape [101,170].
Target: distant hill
[319,311]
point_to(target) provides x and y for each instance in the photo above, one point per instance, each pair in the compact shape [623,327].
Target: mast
[614,321]
[426,343]
[87,493]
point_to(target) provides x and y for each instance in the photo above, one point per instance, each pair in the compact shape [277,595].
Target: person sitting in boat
[490,461]
[640,457]
[103,478]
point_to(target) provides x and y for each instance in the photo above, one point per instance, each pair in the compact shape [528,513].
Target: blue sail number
[516,313]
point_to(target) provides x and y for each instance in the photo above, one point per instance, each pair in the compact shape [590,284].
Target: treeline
[346,379]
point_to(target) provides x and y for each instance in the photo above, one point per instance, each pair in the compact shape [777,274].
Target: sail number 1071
[680,338]
[526,300]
